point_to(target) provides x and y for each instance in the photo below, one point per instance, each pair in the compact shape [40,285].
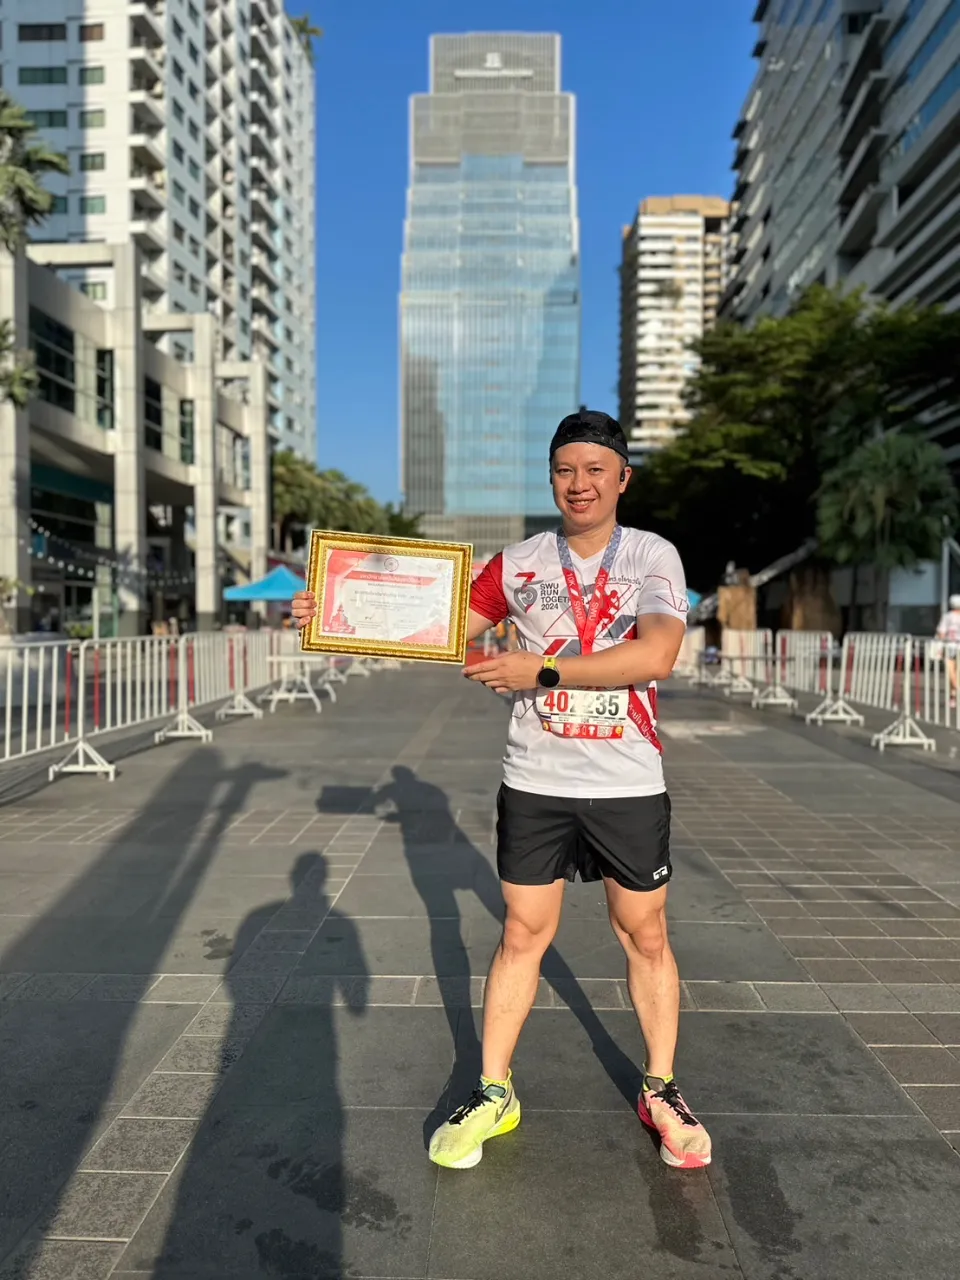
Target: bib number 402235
[584,713]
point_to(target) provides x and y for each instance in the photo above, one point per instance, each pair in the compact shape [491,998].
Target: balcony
[862,168]
[265,266]
[865,58]
[264,175]
[153,281]
[262,112]
[261,205]
[263,302]
[860,222]
[264,142]
[262,327]
[864,113]
[148,187]
[147,230]
[262,49]
[145,152]
[146,65]
[149,110]
[146,22]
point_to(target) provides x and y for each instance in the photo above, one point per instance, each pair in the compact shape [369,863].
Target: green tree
[402,525]
[889,504]
[774,408]
[305,498]
[306,33]
[24,161]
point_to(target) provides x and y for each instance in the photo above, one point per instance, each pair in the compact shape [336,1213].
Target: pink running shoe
[684,1142]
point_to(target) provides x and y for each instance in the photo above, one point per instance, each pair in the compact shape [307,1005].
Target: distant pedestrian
[948,630]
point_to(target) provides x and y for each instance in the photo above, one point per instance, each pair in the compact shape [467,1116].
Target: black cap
[589,426]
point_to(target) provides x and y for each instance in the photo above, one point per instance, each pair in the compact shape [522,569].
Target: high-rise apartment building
[490,306]
[848,162]
[672,275]
[189,127]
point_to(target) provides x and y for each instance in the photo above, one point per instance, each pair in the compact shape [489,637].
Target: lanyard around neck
[586,619]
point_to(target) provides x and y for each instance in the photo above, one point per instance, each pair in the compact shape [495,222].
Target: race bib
[583,713]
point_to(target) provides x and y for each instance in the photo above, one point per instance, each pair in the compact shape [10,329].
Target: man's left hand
[508,673]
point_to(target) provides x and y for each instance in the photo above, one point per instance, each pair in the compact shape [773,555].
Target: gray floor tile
[945,1026]
[62,1260]
[141,1146]
[318,1193]
[941,1103]
[794,997]
[921,1065]
[164,1094]
[798,1198]
[890,1028]
[572,1159]
[104,1206]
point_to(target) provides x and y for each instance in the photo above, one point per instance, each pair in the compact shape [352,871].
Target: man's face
[587,481]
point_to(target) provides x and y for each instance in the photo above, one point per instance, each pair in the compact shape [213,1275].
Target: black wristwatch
[548,677]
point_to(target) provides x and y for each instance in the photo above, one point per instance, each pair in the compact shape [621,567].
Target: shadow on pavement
[412,799]
[69,1065]
[264,1188]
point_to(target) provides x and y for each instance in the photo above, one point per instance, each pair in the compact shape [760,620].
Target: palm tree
[306,33]
[889,504]
[24,159]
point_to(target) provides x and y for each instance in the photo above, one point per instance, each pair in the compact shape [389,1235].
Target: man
[948,630]
[600,612]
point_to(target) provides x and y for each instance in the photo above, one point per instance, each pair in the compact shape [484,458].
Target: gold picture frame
[361,590]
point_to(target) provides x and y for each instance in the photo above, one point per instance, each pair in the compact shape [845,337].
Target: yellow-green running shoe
[491,1111]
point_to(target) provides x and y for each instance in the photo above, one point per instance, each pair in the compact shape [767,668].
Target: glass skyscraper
[490,302]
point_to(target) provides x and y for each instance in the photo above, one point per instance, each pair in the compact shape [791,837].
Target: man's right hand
[303,608]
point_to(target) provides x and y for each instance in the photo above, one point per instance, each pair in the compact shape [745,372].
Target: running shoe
[491,1111]
[684,1142]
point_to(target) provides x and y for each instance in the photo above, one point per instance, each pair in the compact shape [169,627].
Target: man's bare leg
[532,918]
[639,921]
[640,924]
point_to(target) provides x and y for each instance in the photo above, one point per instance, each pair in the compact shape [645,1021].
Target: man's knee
[525,935]
[644,936]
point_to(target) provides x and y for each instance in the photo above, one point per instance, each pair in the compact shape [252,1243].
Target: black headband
[590,428]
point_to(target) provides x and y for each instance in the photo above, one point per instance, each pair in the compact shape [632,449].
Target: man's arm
[488,604]
[477,624]
[650,657]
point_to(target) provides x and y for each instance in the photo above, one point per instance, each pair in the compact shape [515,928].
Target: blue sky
[658,85]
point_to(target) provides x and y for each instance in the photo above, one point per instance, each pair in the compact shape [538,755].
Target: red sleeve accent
[486,594]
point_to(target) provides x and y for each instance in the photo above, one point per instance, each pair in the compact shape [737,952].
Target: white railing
[912,677]
[69,694]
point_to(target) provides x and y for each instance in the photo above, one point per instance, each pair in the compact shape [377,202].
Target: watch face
[548,677]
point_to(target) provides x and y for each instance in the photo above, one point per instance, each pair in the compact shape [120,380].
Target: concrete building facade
[490,302]
[99,471]
[672,275]
[189,128]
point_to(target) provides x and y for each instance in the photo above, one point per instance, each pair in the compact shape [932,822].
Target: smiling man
[600,612]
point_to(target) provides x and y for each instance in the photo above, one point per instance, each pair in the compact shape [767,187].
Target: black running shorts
[545,838]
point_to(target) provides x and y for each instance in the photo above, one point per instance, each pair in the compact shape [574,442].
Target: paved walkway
[236,986]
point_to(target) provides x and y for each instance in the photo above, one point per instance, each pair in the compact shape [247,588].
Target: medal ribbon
[587,621]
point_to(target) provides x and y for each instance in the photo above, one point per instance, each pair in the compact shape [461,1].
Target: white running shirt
[525,582]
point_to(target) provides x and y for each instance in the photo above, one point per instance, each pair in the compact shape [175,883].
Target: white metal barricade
[745,659]
[904,731]
[689,659]
[121,684]
[38,696]
[248,668]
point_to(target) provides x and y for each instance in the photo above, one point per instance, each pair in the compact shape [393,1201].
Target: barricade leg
[834,711]
[84,759]
[903,732]
[184,725]
[239,703]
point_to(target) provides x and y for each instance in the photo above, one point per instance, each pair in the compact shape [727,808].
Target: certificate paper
[391,597]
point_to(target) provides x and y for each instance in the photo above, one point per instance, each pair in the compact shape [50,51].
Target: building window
[90,31]
[177,29]
[93,119]
[194,130]
[194,91]
[93,204]
[58,204]
[179,192]
[93,161]
[41,31]
[93,75]
[177,71]
[178,152]
[96,290]
[178,233]
[153,414]
[43,75]
[48,119]
[194,54]
[194,284]
[178,110]
[186,431]
[194,170]
[105,388]
[53,348]
[195,207]
[195,246]
[194,12]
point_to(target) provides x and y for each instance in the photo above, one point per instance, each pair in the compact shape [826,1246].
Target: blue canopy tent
[279,584]
[693,598]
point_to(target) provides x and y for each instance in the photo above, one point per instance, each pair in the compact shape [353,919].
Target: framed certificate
[388,597]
